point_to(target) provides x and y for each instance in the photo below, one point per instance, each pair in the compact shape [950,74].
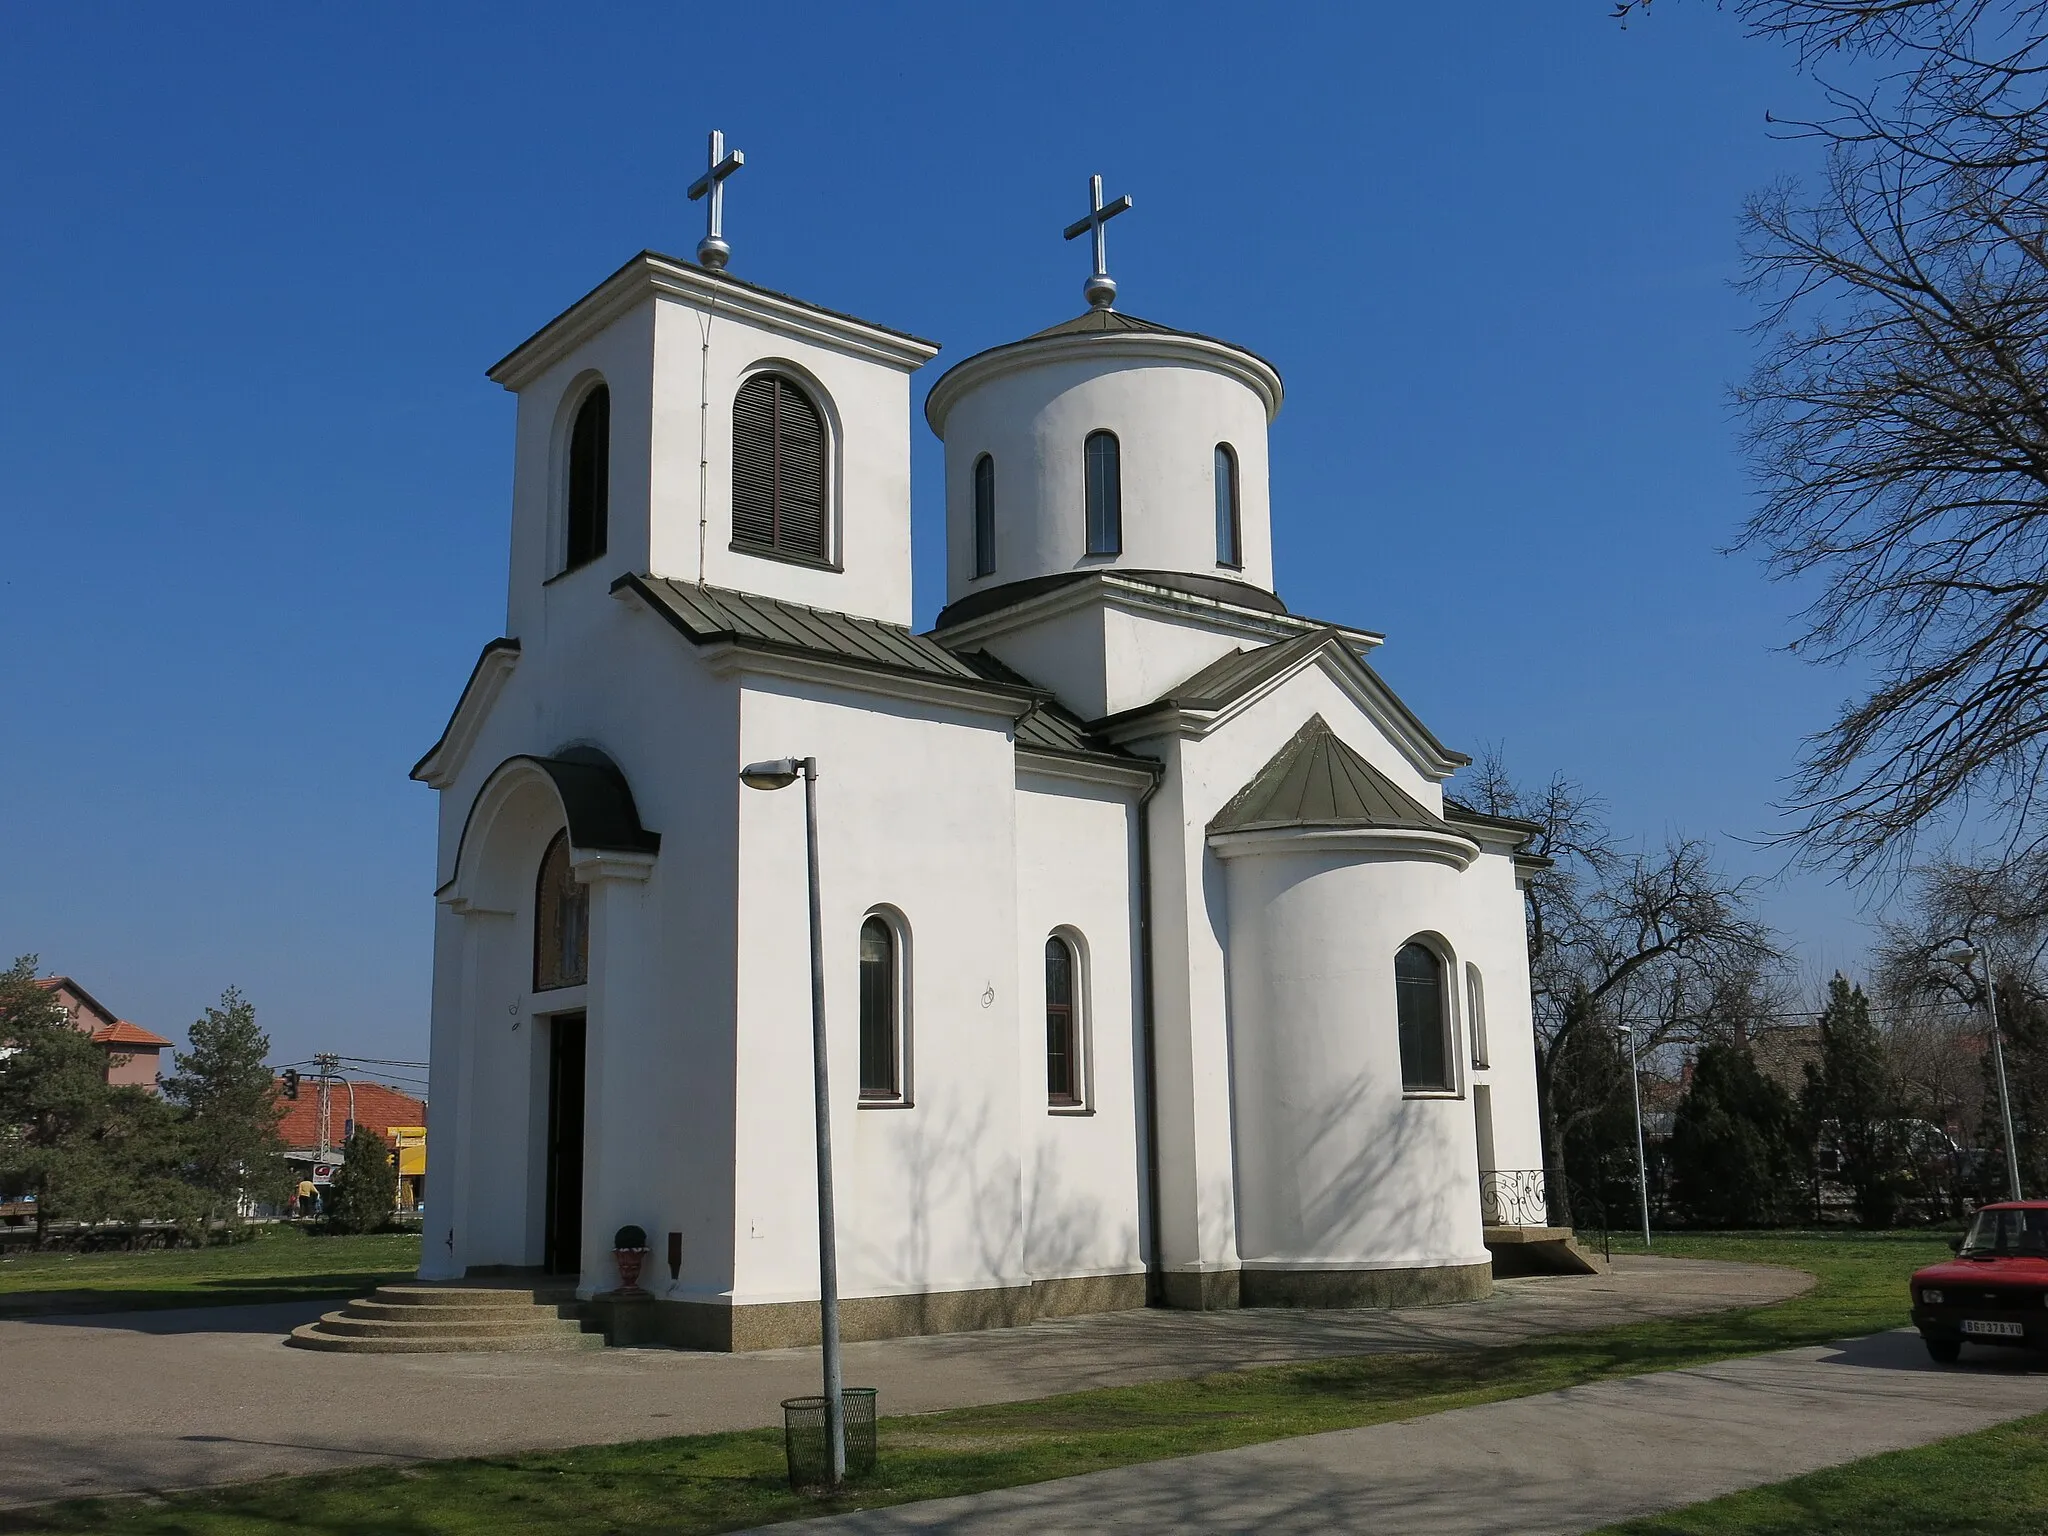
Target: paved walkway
[1562,1462]
[141,1400]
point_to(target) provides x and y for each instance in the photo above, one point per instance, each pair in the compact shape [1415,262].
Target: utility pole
[328,1066]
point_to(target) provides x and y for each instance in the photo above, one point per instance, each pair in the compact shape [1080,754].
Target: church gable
[1233,684]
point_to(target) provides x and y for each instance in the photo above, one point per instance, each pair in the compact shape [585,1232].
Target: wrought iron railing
[1541,1197]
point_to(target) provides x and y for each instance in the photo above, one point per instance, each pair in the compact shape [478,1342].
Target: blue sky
[255,489]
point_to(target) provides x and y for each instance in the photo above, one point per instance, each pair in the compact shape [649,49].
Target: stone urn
[629,1252]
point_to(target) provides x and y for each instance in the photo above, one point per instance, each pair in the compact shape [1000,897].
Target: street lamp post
[1967,956]
[1635,1083]
[779,774]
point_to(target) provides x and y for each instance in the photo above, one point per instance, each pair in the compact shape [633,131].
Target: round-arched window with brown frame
[561,922]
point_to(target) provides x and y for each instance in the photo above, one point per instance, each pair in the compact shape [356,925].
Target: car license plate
[1995,1330]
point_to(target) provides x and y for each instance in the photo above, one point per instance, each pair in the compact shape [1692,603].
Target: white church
[1159,966]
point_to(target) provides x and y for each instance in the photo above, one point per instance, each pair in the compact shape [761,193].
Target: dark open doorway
[564,1245]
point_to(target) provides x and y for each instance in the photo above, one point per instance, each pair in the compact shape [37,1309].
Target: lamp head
[778,774]
[1962,954]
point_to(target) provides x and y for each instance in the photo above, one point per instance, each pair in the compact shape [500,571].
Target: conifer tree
[1735,1160]
[230,1110]
[81,1148]
[1852,1103]
[365,1188]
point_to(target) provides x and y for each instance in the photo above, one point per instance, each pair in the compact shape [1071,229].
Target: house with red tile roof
[133,1053]
[398,1117]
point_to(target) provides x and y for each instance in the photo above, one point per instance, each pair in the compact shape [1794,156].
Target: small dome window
[1105,494]
[984,516]
[1229,526]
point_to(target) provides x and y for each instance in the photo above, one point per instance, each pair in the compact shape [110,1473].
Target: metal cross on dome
[712,251]
[1100,289]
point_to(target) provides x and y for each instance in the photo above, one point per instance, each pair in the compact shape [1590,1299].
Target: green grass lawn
[725,1482]
[280,1263]
[1992,1483]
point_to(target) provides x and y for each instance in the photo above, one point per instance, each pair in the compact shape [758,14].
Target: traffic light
[291,1082]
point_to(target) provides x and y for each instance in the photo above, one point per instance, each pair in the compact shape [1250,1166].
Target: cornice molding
[648,276]
[1253,372]
[443,762]
[1132,595]
[1033,763]
[1397,843]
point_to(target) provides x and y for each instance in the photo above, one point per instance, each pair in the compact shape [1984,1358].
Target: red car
[1995,1290]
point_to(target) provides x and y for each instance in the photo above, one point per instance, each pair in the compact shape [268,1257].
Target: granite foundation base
[1422,1287]
[645,1321]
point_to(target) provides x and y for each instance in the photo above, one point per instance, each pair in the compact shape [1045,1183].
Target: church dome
[1107,443]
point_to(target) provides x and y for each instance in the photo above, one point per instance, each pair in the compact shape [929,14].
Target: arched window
[778,470]
[1105,495]
[881,1010]
[590,473]
[1229,533]
[1062,1025]
[1475,1012]
[984,516]
[1423,1013]
[561,922]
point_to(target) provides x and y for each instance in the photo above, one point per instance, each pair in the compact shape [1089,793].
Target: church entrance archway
[564,1242]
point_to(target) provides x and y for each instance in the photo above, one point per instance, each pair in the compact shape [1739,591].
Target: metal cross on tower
[1100,289]
[712,251]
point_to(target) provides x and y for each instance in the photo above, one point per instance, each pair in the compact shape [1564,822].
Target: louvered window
[1105,494]
[778,469]
[590,452]
[984,516]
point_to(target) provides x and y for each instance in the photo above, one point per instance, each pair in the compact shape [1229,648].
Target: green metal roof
[1316,780]
[708,615]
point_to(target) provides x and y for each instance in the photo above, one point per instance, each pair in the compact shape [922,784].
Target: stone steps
[452,1319]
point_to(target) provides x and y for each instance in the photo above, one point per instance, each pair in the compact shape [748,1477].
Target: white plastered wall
[1084,1189]
[1337,1166]
[916,814]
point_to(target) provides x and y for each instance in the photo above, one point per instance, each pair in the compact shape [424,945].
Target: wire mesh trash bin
[808,1449]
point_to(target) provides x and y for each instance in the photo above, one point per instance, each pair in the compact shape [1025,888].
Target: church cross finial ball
[1100,289]
[712,251]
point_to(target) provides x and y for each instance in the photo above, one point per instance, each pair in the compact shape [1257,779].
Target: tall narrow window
[1475,1011]
[590,455]
[1423,1019]
[1105,495]
[1062,1036]
[1229,532]
[778,470]
[561,922]
[880,1011]
[984,516]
